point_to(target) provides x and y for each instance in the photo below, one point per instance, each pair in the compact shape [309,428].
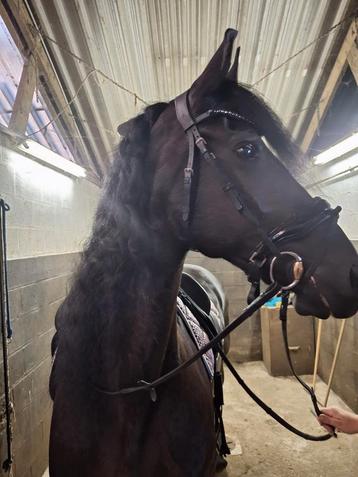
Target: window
[39,126]
[11,64]
[39,129]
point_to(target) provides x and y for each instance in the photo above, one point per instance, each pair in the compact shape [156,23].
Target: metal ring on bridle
[297,270]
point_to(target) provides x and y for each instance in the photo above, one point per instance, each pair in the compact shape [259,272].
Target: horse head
[244,197]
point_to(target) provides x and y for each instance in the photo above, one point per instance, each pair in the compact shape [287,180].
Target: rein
[286,268]
[205,323]
[150,387]
[215,344]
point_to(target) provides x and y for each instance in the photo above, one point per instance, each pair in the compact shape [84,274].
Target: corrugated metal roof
[156,48]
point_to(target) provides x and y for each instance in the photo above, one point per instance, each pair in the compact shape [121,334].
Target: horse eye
[247,150]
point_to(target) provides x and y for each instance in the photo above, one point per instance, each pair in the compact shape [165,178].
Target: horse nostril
[354,276]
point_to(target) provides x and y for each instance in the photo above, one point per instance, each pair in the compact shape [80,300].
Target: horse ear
[124,128]
[232,74]
[217,68]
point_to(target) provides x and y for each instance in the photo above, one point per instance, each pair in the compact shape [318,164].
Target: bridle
[286,268]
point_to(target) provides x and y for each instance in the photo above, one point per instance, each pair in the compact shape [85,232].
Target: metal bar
[3,318]
[318,349]
[333,368]
[344,174]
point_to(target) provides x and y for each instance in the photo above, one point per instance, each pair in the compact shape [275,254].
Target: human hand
[343,421]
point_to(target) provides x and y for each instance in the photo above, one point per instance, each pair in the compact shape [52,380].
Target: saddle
[196,292]
[192,296]
[200,301]
[192,301]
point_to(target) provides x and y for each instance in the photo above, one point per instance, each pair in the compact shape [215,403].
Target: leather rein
[286,268]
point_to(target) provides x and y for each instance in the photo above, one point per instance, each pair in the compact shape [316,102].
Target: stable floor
[269,450]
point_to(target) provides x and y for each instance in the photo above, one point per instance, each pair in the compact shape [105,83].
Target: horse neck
[138,309]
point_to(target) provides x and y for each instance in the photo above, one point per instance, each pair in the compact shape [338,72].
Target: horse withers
[118,324]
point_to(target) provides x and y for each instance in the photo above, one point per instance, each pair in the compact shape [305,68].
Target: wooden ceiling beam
[353,59]
[23,101]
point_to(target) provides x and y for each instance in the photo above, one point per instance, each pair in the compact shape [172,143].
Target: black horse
[118,324]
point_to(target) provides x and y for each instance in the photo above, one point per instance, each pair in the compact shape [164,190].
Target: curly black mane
[117,244]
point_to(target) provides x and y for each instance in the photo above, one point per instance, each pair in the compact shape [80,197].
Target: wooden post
[318,349]
[333,368]
[23,101]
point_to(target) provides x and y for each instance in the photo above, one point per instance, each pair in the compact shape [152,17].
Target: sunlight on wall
[50,212]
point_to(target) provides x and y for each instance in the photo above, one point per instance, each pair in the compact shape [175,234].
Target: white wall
[51,213]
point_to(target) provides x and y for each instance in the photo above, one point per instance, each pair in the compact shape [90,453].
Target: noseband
[286,267]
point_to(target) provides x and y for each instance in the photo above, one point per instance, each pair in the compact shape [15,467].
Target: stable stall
[72,75]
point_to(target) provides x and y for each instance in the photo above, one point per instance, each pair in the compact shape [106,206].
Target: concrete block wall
[50,219]
[245,344]
[50,212]
[37,287]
